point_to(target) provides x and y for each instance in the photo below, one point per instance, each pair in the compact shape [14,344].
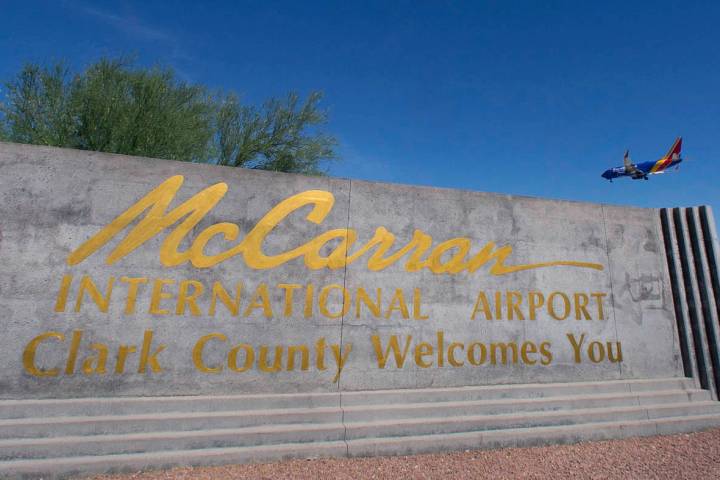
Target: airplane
[642,170]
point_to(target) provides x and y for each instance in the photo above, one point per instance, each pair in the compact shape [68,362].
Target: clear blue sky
[531,98]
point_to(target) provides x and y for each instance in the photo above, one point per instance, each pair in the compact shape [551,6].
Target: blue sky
[529,98]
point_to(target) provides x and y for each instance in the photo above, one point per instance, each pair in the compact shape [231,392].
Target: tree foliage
[37,109]
[272,137]
[140,112]
[114,107]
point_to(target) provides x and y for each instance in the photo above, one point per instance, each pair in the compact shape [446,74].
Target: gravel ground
[695,455]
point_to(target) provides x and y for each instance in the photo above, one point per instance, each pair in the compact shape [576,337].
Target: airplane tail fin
[674,151]
[626,159]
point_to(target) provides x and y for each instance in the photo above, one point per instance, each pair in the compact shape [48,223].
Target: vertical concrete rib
[678,294]
[707,300]
[691,297]
[707,222]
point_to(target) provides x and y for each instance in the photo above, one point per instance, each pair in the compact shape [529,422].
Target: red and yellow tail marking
[675,148]
[663,163]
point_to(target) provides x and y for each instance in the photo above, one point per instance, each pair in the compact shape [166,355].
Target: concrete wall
[52,201]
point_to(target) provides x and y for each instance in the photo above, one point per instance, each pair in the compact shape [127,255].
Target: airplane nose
[606,174]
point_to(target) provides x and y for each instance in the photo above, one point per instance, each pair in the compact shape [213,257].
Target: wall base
[59,438]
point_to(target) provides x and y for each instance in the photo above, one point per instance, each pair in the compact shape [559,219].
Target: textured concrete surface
[53,200]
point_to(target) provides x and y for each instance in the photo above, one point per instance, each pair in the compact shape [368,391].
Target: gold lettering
[596,352]
[197,353]
[451,354]
[309,295]
[149,359]
[481,303]
[336,259]
[581,301]
[340,359]
[514,299]
[263,363]
[535,300]
[441,348]
[289,288]
[398,304]
[261,300]
[546,353]
[123,352]
[322,301]
[31,350]
[252,245]
[102,353]
[420,242]
[525,351]
[503,348]
[551,305]
[472,358]
[158,294]
[614,357]
[87,285]
[133,285]
[455,263]
[576,346]
[361,295]
[156,220]
[72,356]
[186,299]
[62,295]
[417,305]
[187,216]
[249,358]
[304,357]
[598,296]
[320,354]
[392,345]
[218,291]
[423,349]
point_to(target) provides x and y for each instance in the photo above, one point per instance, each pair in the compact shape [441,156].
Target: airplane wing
[629,167]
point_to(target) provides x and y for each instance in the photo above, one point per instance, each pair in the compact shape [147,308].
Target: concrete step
[184,421]
[300,433]
[216,403]
[519,391]
[458,424]
[525,437]
[72,466]
[157,422]
[138,405]
[172,440]
[63,467]
[500,406]
[99,434]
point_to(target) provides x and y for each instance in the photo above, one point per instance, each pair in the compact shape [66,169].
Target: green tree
[272,138]
[115,107]
[140,112]
[37,109]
